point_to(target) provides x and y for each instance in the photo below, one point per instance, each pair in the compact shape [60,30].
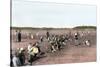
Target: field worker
[32,54]
[64,43]
[82,34]
[19,36]
[32,37]
[49,39]
[16,36]
[47,34]
[29,47]
[52,46]
[76,36]
[21,56]
[15,60]
[87,42]
[41,39]
[53,49]
[37,35]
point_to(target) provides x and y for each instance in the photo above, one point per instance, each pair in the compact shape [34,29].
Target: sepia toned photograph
[45,33]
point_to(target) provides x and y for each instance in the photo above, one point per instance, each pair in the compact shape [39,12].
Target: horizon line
[53,27]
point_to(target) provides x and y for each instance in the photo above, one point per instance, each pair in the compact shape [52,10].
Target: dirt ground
[69,54]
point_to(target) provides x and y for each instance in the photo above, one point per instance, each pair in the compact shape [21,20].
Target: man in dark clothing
[47,34]
[19,37]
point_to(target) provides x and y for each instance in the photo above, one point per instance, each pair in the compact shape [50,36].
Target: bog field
[70,53]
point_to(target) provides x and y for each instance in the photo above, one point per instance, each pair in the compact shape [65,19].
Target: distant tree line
[45,28]
[85,27]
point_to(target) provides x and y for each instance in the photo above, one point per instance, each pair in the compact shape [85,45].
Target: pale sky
[39,14]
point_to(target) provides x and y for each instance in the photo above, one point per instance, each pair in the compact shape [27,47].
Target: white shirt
[16,61]
[29,47]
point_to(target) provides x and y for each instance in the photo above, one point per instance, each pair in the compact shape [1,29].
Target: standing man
[16,36]
[47,34]
[19,36]
[77,40]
